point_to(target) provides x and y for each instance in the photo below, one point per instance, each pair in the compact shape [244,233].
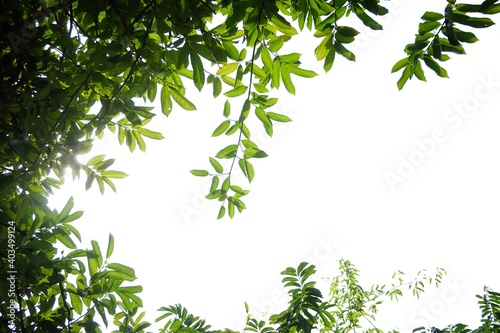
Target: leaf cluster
[55,291]
[439,35]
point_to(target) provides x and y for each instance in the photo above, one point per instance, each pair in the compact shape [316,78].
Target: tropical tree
[73,71]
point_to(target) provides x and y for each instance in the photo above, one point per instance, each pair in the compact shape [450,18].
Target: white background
[322,194]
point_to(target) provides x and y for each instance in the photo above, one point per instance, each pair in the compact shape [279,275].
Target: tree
[72,72]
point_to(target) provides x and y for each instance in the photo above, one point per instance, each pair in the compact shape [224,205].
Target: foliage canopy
[72,71]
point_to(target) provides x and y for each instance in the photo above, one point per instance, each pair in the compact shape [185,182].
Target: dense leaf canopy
[73,71]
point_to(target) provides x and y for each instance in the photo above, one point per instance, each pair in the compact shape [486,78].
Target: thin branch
[252,61]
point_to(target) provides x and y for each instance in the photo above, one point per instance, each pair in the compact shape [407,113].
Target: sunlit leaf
[238,91]
[114,174]
[227,152]
[182,101]
[111,246]
[166,102]
[199,173]
[221,128]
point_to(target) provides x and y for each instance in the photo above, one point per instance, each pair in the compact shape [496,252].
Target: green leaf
[278,117]
[404,77]
[139,140]
[367,20]
[465,36]
[301,72]
[111,246]
[236,202]
[400,65]
[238,91]
[96,159]
[340,48]
[287,81]
[199,173]
[432,64]
[245,110]
[290,58]
[63,236]
[432,16]
[493,9]
[261,114]
[150,134]
[222,212]
[416,46]
[92,262]
[260,88]
[216,165]
[254,153]
[221,128]
[347,31]
[233,129]
[140,327]
[76,302]
[249,144]
[468,8]
[227,109]
[227,69]
[436,49]
[266,58]
[217,87]
[324,47]
[130,289]
[238,190]
[446,46]
[67,208]
[166,102]
[214,195]
[122,269]
[329,59]
[114,174]
[247,169]
[73,217]
[198,72]
[428,26]
[419,73]
[225,184]
[487,7]
[283,25]
[182,101]
[227,152]
[230,208]
[97,252]
[231,50]
[275,77]
[214,184]
[121,133]
[475,22]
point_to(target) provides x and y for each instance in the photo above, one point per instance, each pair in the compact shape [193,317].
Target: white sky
[322,194]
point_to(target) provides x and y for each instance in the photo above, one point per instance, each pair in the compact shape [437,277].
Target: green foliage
[438,35]
[489,303]
[305,304]
[73,71]
[43,288]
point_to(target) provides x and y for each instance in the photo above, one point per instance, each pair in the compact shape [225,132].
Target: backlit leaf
[238,91]
[199,173]
[227,152]
[216,165]
[182,101]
